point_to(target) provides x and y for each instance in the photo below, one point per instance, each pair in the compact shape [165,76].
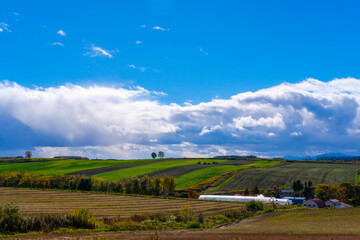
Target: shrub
[269,210]
[82,218]
[193,224]
[254,206]
[186,214]
[10,219]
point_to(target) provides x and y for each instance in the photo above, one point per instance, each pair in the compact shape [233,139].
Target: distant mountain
[326,156]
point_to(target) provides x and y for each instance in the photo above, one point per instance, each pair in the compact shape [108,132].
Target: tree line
[345,192]
[144,186]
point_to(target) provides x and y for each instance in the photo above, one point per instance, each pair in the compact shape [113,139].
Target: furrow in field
[103,205]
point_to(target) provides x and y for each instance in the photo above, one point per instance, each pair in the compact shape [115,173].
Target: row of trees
[161,154]
[145,186]
[345,192]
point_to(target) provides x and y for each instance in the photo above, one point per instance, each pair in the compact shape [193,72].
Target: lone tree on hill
[28,154]
[153,155]
[161,154]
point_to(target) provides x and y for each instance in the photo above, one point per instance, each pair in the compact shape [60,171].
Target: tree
[308,190]
[321,191]
[153,155]
[28,154]
[161,154]
[246,192]
[168,184]
[297,186]
[256,190]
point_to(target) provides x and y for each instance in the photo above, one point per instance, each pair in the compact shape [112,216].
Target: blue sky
[164,53]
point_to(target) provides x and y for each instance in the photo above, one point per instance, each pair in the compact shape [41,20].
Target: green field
[266,178]
[63,166]
[145,169]
[198,176]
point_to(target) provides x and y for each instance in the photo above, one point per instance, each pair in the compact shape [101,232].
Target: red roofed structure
[314,203]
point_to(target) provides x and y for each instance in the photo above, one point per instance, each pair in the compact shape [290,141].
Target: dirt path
[191,234]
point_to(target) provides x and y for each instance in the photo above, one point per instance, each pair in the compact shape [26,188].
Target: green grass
[266,178]
[198,176]
[149,168]
[62,166]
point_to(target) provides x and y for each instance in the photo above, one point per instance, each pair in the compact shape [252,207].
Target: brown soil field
[103,205]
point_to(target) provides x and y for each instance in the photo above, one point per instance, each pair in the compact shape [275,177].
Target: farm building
[336,203]
[259,198]
[296,200]
[286,193]
[314,203]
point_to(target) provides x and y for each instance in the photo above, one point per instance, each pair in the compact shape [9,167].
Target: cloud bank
[309,117]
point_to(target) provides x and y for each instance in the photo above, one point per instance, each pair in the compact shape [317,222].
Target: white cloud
[57,44]
[61,32]
[160,28]
[206,130]
[138,42]
[142,69]
[269,122]
[96,51]
[203,51]
[143,26]
[124,123]
[4,27]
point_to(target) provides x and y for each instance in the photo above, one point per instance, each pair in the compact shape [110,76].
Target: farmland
[64,166]
[32,202]
[328,173]
[310,221]
[146,169]
[195,177]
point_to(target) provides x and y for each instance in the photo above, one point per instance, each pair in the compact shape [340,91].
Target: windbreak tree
[28,154]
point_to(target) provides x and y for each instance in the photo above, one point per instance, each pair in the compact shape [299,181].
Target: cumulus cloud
[61,32]
[96,51]
[270,122]
[303,118]
[4,27]
[138,42]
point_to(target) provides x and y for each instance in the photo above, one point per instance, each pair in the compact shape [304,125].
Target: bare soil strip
[208,234]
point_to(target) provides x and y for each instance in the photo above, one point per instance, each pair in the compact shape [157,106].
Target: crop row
[103,205]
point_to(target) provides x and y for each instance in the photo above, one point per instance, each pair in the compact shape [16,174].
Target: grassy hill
[63,166]
[188,172]
[329,173]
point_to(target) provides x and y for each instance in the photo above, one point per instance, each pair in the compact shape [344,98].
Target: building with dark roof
[336,203]
[314,203]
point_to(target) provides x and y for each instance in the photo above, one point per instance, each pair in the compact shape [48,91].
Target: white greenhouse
[259,198]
